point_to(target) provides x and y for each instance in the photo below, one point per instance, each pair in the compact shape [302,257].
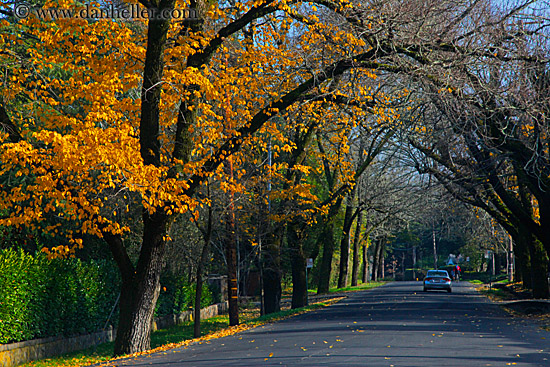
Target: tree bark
[272,275]
[232,283]
[381,263]
[537,272]
[376,260]
[523,263]
[298,264]
[356,238]
[345,240]
[326,261]
[203,259]
[140,289]
[365,277]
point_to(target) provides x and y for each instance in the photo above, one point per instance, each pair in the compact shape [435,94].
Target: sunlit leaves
[78,98]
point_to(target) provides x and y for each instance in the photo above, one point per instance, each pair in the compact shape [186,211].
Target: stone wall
[18,353]
[172,320]
[218,285]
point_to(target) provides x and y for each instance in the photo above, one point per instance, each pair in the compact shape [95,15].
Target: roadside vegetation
[183,334]
[277,143]
[360,287]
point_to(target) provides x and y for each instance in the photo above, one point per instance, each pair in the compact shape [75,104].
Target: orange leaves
[61,251]
[82,108]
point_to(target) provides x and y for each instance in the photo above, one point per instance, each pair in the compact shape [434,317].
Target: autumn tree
[484,65]
[487,139]
[143,112]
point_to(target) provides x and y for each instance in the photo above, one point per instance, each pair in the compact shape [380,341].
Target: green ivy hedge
[41,297]
[178,295]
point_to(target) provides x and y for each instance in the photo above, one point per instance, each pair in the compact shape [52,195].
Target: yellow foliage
[80,114]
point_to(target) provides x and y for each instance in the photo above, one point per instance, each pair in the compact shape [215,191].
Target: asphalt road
[394,325]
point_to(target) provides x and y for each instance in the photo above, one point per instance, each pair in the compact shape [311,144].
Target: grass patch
[495,294]
[101,353]
[483,278]
[179,335]
[104,352]
[476,281]
[505,291]
[360,287]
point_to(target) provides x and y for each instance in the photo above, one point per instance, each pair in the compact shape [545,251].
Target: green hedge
[177,295]
[41,298]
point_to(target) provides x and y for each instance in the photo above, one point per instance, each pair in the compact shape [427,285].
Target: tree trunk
[355,263]
[298,264]
[434,246]
[365,277]
[198,295]
[272,275]
[381,263]
[414,262]
[202,261]
[376,259]
[345,241]
[523,260]
[140,289]
[510,260]
[141,285]
[232,283]
[539,268]
[326,260]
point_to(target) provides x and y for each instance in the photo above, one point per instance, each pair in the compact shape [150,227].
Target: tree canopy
[115,128]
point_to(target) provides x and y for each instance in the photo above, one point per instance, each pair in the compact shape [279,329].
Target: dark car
[438,279]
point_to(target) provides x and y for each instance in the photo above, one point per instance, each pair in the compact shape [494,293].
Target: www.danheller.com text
[127,12]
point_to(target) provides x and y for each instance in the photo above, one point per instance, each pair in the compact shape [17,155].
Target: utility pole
[231,244]
[435,247]
[231,254]
[510,259]
[414,262]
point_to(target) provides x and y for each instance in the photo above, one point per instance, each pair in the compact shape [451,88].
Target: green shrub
[185,297]
[41,297]
[18,294]
[177,296]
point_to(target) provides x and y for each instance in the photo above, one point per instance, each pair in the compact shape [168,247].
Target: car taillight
[428,279]
[447,279]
